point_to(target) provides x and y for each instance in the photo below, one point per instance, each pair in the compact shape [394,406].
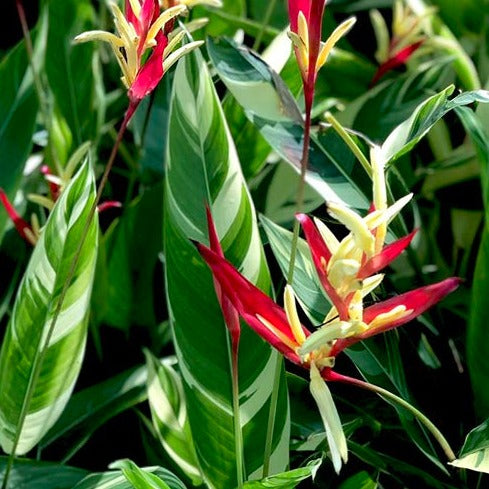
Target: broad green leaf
[405,136]
[70,68]
[399,470]
[475,452]
[18,111]
[150,126]
[477,348]
[123,294]
[29,474]
[140,479]
[362,480]
[333,170]
[203,167]
[116,479]
[169,414]
[286,480]
[30,329]
[90,408]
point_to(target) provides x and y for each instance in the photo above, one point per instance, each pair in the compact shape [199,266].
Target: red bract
[22,226]
[399,59]
[415,301]
[230,313]
[252,304]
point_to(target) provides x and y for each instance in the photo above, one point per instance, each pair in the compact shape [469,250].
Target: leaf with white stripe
[30,331]
[203,167]
[169,414]
[118,479]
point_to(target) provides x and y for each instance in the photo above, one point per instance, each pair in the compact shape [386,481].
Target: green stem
[41,352]
[447,449]
[350,143]
[238,434]
[271,415]
[264,24]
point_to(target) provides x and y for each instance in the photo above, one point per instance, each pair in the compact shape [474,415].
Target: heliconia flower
[306,20]
[28,232]
[348,321]
[283,330]
[409,32]
[143,28]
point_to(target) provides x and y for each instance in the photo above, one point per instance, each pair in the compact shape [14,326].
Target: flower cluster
[348,271]
[408,34]
[145,46]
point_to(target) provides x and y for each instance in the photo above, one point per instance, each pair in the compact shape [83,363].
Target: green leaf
[118,479]
[90,408]
[18,111]
[123,294]
[475,452]
[29,474]
[203,167]
[477,348]
[139,478]
[333,170]
[169,414]
[306,284]
[405,136]
[362,480]
[70,68]
[34,357]
[286,480]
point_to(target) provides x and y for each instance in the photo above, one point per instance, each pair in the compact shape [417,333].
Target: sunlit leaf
[30,337]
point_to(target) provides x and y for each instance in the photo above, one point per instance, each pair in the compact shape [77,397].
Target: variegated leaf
[203,167]
[169,414]
[45,387]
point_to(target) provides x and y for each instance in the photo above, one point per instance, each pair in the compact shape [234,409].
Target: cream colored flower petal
[209,3]
[335,36]
[179,53]
[381,35]
[325,334]
[331,419]
[379,193]
[136,7]
[303,29]
[342,272]
[42,201]
[191,26]
[173,43]
[374,219]
[164,17]
[371,283]
[328,237]
[362,235]
[281,336]
[394,314]
[99,36]
[292,316]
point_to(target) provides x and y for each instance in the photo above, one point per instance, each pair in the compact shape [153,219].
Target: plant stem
[41,352]
[271,415]
[238,434]
[301,189]
[350,143]
[333,376]
[266,21]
